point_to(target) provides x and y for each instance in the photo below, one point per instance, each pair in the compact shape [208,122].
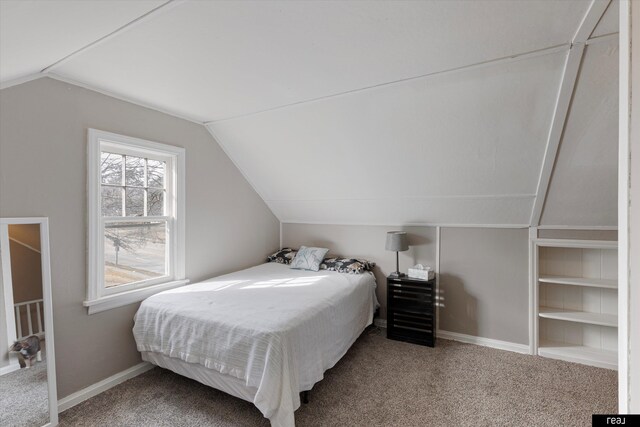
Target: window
[136,219]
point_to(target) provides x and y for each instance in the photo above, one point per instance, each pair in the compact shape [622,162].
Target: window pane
[134,251]
[155,202]
[111,201]
[134,201]
[111,168]
[134,171]
[155,173]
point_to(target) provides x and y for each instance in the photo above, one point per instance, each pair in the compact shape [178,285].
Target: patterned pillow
[347,265]
[283,256]
[309,258]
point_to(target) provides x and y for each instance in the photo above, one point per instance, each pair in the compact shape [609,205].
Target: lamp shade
[397,241]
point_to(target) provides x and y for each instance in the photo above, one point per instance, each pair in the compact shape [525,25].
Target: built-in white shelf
[580,281]
[579,353]
[580,277]
[579,316]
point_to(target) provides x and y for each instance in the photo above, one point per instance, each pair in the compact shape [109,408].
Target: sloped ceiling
[358,112]
[609,23]
[584,184]
[35,34]
[459,148]
[225,59]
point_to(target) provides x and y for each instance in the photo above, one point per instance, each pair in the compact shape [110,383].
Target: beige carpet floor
[24,396]
[381,382]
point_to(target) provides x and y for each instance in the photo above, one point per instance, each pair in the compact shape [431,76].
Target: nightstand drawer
[408,296]
[411,326]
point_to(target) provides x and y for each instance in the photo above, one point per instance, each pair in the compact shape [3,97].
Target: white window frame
[100,298]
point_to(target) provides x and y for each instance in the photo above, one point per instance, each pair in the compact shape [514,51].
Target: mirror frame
[46,296]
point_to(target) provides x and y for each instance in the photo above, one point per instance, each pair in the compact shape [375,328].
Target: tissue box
[421,273]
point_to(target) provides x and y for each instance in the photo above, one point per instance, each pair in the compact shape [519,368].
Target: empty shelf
[579,353]
[580,281]
[579,316]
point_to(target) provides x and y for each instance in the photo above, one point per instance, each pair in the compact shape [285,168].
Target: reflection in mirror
[24,335]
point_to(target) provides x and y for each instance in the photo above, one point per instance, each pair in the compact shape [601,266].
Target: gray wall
[483,271]
[367,242]
[43,128]
[484,280]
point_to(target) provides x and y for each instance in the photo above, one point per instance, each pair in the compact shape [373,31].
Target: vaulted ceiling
[364,112]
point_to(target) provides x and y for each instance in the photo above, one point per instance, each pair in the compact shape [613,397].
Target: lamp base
[397,274]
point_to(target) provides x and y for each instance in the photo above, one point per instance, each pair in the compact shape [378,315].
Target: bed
[263,334]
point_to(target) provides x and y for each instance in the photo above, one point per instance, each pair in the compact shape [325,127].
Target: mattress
[230,385]
[275,329]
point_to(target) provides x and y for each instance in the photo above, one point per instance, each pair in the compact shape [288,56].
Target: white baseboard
[102,386]
[8,369]
[486,342]
[380,323]
[470,339]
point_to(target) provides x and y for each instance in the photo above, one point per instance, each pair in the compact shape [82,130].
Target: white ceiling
[355,112]
[609,22]
[438,141]
[35,34]
[214,60]
[584,184]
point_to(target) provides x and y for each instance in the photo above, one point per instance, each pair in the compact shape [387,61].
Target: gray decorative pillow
[309,258]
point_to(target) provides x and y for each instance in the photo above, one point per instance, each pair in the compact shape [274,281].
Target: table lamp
[397,242]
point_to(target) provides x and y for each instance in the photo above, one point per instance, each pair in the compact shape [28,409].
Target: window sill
[125,298]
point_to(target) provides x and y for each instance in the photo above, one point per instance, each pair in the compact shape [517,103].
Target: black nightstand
[411,310]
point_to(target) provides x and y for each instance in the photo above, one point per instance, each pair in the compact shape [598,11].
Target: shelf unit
[575,300]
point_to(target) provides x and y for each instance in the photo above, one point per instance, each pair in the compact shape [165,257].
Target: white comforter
[275,328]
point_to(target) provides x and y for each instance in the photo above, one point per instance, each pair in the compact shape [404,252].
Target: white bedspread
[275,328]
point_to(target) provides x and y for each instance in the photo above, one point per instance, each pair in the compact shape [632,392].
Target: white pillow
[309,258]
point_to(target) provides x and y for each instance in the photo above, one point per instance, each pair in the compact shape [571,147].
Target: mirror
[28,394]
